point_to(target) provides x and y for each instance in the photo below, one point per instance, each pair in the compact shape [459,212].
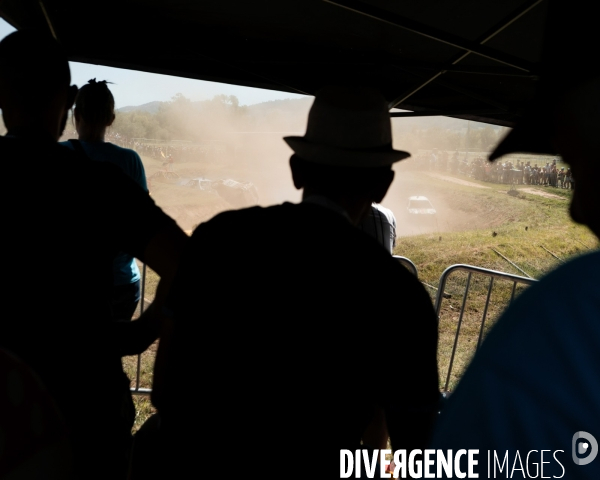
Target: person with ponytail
[94,113]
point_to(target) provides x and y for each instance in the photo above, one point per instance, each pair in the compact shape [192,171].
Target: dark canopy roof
[474,59]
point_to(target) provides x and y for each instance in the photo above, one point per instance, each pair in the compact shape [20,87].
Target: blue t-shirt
[535,382]
[125,270]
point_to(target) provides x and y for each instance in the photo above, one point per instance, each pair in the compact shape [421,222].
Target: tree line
[216,118]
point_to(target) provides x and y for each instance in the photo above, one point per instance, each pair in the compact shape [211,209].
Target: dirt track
[456,180]
[541,193]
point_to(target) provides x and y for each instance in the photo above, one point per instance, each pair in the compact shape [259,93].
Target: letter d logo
[588,446]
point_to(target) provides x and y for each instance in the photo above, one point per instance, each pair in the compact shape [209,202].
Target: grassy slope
[548,225]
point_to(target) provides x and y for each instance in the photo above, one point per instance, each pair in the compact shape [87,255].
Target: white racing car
[420,206]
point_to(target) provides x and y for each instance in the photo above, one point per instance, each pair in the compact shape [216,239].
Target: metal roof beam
[438,35]
[442,113]
[502,72]
[48,21]
[488,36]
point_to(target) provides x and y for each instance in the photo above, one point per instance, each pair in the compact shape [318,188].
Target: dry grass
[142,402]
[522,226]
[547,223]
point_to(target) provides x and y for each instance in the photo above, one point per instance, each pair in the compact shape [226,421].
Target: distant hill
[449,123]
[297,108]
[287,115]
[301,104]
[151,107]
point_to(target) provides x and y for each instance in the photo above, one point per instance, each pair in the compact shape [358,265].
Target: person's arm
[143,230]
[161,255]
[140,172]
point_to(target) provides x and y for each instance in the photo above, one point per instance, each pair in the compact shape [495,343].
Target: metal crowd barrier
[493,274]
[137,390]
[440,295]
[407,262]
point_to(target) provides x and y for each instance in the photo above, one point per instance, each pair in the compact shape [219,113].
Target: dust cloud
[202,158]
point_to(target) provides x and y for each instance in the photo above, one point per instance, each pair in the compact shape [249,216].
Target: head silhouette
[95,104]
[34,83]
[346,153]
[94,110]
[352,184]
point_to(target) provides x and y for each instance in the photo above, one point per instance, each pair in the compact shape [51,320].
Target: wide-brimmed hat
[568,61]
[348,127]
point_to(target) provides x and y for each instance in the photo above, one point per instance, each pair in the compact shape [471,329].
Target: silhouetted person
[35,444]
[94,112]
[380,223]
[534,386]
[64,219]
[290,364]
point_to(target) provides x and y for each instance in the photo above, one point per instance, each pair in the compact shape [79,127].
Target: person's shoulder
[67,144]
[229,219]
[99,172]
[44,152]
[565,304]
[119,149]
[572,278]
[121,152]
[584,264]
[239,217]
[389,215]
[381,208]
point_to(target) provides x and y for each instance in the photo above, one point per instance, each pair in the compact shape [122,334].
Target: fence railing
[408,263]
[138,370]
[470,269]
[440,296]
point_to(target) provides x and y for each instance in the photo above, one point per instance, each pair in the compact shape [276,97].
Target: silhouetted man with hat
[534,385]
[58,206]
[291,365]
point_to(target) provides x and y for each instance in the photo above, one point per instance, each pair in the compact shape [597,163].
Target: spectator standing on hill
[94,113]
[433,159]
[553,175]
[443,160]
[561,177]
[455,162]
[569,179]
[547,170]
[83,213]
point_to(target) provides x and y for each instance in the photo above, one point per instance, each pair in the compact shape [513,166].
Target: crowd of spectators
[508,172]
[522,173]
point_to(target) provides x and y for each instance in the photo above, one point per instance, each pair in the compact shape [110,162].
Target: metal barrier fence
[440,296]
[137,390]
[407,262]
[493,274]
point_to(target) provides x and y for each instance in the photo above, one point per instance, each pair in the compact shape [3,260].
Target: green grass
[517,227]
[522,225]
[143,405]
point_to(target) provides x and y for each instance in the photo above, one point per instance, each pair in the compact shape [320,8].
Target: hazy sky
[132,87]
